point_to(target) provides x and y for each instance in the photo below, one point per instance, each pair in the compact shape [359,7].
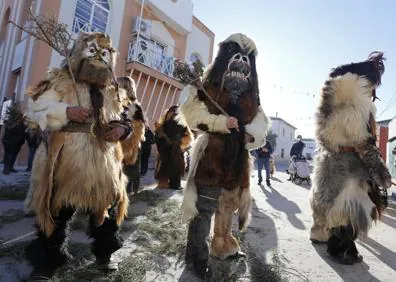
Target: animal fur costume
[173,137]
[75,168]
[218,181]
[345,195]
[131,146]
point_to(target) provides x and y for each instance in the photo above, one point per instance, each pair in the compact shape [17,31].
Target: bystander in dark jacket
[33,139]
[263,160]
[13,140]
[146,150]
[297,148]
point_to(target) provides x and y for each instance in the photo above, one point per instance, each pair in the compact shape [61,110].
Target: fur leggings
[51,252]
[197,251]
[341,245]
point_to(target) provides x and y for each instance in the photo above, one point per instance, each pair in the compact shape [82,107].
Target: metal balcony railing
[79,25]
[151,58]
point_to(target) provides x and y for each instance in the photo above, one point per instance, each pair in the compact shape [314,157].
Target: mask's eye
[105,55]
[92,50]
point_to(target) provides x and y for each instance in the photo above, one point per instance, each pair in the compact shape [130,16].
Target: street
[278,238]
[279,233]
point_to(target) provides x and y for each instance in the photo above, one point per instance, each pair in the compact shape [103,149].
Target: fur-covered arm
[198,117]
[48,111]
[257,129]
[371,158]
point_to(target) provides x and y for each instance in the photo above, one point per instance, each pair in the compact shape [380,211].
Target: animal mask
[93,59]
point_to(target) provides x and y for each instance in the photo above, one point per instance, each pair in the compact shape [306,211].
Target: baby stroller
[299,170]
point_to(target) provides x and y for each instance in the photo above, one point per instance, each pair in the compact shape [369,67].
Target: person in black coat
[146,150]
[33,138]
[297,148]
[13,140]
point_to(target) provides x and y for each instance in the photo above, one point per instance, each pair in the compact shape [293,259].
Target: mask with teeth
[236,77]
[234,68]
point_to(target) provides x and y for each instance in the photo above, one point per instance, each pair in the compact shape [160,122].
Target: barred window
[91,15]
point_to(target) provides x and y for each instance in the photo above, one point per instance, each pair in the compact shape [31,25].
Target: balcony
[151,58]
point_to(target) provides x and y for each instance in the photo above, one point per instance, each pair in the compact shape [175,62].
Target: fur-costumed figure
[79,165]
[349,174]
[172,137]
[131,147]
[218,180]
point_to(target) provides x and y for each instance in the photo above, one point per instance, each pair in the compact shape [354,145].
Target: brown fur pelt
[173,137]
[131,146]
[97,181]
[215,168]
[53,186]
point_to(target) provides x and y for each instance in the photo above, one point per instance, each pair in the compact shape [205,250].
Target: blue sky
[300,41]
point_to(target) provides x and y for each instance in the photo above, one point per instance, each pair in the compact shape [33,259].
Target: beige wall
[201,26]
[154,100]
[41,56]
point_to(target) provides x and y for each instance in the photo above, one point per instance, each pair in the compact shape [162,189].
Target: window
[283,132]
[91,15]
[291,136]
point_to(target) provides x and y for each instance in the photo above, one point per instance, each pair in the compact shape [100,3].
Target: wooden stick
[200,86]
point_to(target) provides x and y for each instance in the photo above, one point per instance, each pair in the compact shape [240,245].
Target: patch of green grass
[163,224]
[16,250]
[148,196]
[11,216]
[10,193]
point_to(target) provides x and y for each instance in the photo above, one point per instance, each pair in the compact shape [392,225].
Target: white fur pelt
[188,207]
[258,128]
[352,206]
[339,193]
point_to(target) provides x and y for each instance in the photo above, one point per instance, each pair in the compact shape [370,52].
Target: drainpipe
[137,36]
[140,24]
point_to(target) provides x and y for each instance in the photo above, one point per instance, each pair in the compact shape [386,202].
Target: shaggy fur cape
[173,137]
[74,170]
[343,180]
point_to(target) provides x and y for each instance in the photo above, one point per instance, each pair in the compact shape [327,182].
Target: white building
[309,150]
[286,135]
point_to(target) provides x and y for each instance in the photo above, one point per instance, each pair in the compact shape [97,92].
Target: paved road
[279,233]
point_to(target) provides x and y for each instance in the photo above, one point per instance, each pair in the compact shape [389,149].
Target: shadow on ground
[346,272]
[281,203]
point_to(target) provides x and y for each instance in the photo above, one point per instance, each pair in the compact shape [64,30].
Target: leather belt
[345,149]
[80,127]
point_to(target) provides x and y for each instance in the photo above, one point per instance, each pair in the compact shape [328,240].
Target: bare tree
[53,33]
[193,75]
